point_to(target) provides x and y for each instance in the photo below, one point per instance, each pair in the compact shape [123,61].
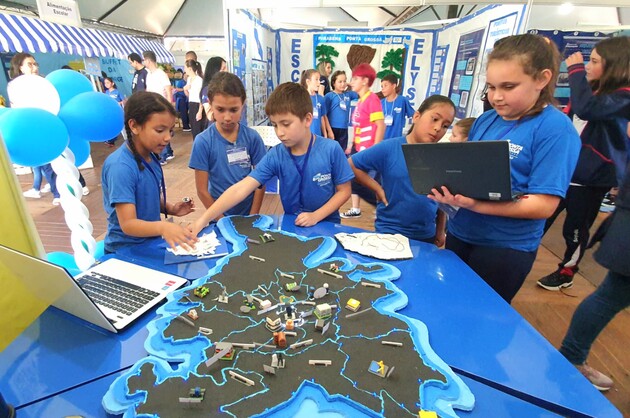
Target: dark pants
[363,192]
[341,136]
[582,205]
[504,269]
[196,126]
[182,109]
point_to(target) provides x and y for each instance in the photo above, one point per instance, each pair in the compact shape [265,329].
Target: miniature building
[193,314]
[292,287]
[289,325]
[201,291]
[222,346]
[319,324]
[334,267]
[323,311]
[380,369]
[273,324]
[280,339]
[266,237]
[353,305]
[196,392]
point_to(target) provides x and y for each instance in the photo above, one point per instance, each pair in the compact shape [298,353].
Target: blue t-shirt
[123,182]
[543,154]
[227,163]
[326,168]
[395,114]
[115,94]
[319,110]
[338,106]
[407,213]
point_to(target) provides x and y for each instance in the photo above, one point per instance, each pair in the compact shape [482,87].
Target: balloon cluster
[52,120]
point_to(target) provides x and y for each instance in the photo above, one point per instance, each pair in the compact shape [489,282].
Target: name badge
[238,156]
[389,119]
[342,105]
[315,112]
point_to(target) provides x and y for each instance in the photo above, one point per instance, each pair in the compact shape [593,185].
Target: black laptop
[480,169]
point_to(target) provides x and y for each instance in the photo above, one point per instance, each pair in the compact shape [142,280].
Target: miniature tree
[325,53]
[392,63]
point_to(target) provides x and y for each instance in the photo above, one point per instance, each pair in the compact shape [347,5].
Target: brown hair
[307,74]
[465,125]
[226,84]
[289,98]
[535,54]
[16,63]
[334,76]
[615,53]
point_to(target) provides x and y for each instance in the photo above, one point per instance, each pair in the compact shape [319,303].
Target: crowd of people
[341,141]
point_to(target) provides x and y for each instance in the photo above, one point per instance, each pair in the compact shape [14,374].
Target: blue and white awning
[26,34]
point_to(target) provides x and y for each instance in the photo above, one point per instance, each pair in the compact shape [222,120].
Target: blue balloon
[81,150]
[4,110]
[99,250]
[33,136]
[64,260]
[69,84]
[93,116]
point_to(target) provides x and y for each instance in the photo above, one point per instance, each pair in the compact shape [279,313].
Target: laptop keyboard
[122,297]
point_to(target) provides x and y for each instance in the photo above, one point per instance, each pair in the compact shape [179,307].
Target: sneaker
[56,201]
[21,170]
[86,191]
[32,193]
[163,162]
[170,157]
[558,279]
[45,189]
[351,213]
[186,129]
[608,204]
[597,378]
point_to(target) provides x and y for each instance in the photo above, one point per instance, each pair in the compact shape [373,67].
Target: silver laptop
[479,169]
[111,294]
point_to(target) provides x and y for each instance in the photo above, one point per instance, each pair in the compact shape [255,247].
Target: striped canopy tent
[26,34]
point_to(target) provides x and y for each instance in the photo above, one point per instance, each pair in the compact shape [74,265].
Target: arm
[174,234]
[326,129]
[342,194]
[168,90]
[259,194]
[531,206]
[201,184]
[320,90]
[365,179]
[232,196]
[380,130]
[440,228]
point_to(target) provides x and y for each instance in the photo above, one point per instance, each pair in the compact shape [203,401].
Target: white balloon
[68,185]
[84,260]
[65,165]
[74,207]
[32,90]
[82,242]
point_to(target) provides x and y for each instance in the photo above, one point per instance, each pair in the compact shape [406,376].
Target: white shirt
[195,89]
[158,82]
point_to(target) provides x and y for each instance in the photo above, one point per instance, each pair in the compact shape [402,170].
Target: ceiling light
[565,8]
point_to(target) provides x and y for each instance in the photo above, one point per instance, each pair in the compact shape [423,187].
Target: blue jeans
[593,314]
[37,178]
[49,174]
[168,151]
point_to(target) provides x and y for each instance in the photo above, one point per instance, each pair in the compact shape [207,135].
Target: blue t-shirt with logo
[325,169]
[227,163]
[407,212]
[339,107]
[319,110]
[124,182]
[395,113]
[543,154]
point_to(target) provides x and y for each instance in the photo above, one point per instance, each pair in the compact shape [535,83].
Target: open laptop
[111,294]
[480,169]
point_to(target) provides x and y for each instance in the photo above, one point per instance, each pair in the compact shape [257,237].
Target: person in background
[227,151]
[461,129]
[400,210]
[196,113]
[313,171]
[190,55]
[139,82]
[134,193]
[158,82]
[338,106]
[369,126]
[181,99]
[319,125]
[499,240]
[324,69]
[23,64]
[112,91]
[600,97]
[396,109]
[213,66]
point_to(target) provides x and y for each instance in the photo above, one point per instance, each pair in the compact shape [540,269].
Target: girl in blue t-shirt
[112,91]
[499,240]
[320,125]
[400,210]
[134,193]
[338,106]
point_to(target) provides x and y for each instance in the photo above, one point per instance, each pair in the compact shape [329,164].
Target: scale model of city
[278,328]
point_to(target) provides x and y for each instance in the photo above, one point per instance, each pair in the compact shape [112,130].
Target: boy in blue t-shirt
[313,171]
[396,109]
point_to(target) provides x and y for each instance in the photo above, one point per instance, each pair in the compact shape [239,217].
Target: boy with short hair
[313,171]
[396,109]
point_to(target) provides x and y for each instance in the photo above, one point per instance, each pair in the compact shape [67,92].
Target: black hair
[391,78]
[431,101]
[134,56]
[140,106]
[213,66]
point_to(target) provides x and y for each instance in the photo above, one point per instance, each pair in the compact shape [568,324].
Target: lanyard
[302,168]
[392,108]
[160,184]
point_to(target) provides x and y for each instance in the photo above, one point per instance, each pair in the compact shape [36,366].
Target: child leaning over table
[313,171]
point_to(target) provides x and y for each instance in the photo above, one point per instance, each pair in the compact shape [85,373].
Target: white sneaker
[45,189]
[32,193]
[351,213]
[21,170]
[56,201]
[86,191]
[170,157]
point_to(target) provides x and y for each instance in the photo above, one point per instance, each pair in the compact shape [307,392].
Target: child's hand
[183,207]
[306,219]
[445,196]
[575,58]
[440,239]
[380,196]
[175,235]
[348,151]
